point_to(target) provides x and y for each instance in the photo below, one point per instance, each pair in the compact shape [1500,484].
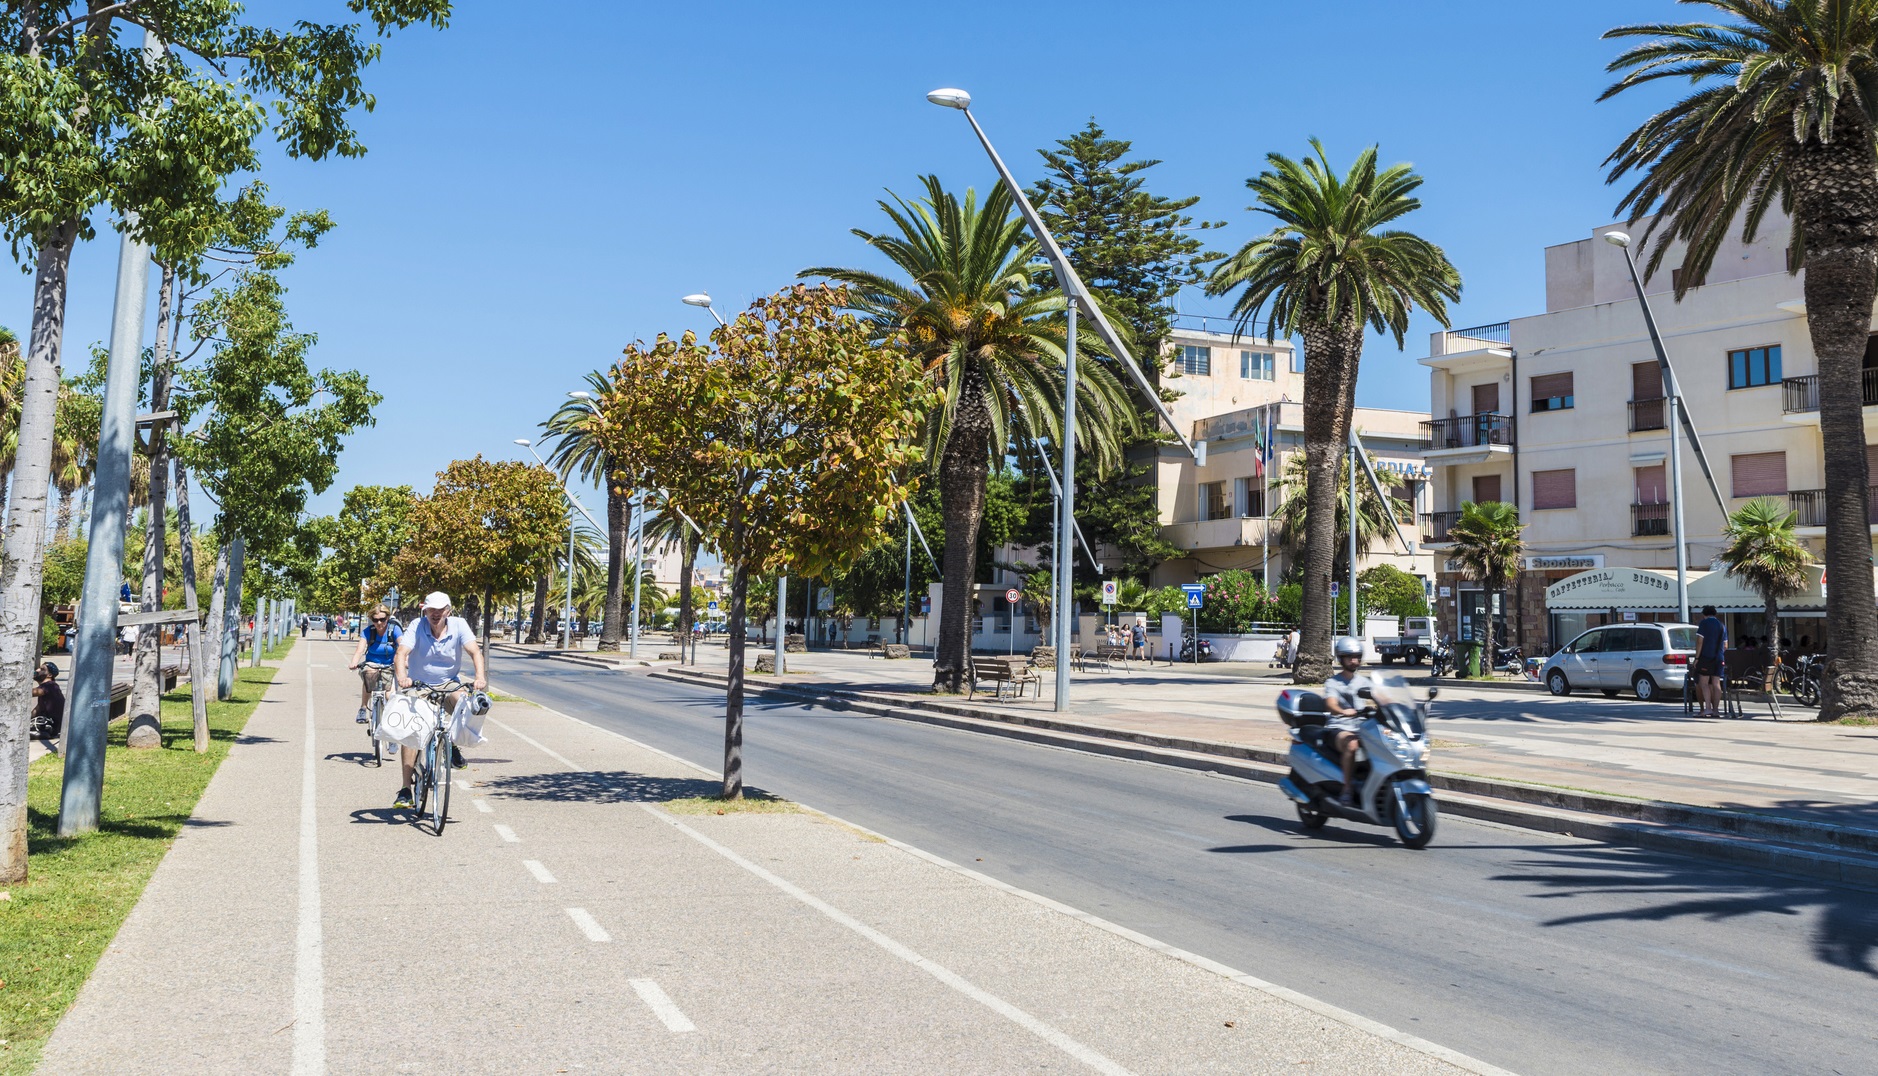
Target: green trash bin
[1470,659]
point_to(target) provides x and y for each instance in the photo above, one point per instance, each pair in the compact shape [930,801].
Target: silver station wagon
[1649,659]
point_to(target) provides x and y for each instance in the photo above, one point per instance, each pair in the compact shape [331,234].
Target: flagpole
[1265,495]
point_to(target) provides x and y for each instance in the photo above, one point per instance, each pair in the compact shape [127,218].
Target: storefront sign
[1614,588]
[1573,563]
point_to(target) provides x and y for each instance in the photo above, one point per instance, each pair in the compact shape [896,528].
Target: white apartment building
[1561,414]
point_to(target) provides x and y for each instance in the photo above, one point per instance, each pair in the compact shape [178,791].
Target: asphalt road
[1537,953]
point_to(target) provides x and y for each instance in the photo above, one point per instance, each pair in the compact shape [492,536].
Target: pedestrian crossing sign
[1196,594]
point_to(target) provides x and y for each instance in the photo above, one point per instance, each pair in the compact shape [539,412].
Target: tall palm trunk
[618,531]
[23,561]
[1331,355]
[146,688]
[687,562]
[541,608]
[963,469]
[1835,191]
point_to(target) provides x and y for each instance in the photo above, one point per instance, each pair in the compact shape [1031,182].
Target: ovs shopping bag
[406,721]
[466,725]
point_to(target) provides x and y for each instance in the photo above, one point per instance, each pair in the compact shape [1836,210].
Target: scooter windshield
[1390,691]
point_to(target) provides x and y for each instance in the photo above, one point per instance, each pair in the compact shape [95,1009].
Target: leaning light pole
[567,610]
[1077,297]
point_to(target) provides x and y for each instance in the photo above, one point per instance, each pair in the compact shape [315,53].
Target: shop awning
[1730,595]
[1618,588]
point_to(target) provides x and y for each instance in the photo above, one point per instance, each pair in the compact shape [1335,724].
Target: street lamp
[567,610]
[1076,295]
[1676,418]
[704,300]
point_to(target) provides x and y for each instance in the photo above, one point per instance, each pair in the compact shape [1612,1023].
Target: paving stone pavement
[565,922]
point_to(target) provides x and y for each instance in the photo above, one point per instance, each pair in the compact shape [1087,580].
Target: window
[1555,489]
[1487,398]
[1196,360]
[1754,366]
[1213,503]
[1251,497]
[1486,488]
[1297,362]
[1652,487]
[1591,642]
[1257,365]
[1758,474]
[1552,392]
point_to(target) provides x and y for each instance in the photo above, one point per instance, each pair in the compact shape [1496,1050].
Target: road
[1541,954]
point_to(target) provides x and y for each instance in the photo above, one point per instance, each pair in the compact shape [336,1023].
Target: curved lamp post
[567,610]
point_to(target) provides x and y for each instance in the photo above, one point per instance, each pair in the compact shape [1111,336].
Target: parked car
[1414,645]
[1649,659]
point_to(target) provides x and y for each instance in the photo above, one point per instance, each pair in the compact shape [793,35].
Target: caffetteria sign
[1613,588]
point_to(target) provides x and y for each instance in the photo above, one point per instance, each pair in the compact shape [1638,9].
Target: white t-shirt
[432,659]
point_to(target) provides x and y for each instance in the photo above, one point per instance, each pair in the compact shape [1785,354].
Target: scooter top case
[1300,708]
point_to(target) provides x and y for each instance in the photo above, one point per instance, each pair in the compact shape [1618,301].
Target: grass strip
[752,803]
[54,927]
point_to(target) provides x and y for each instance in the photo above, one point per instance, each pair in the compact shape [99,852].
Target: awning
[1730,595]
[1618,588]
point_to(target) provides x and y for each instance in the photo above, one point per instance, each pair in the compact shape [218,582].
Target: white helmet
[1348,646]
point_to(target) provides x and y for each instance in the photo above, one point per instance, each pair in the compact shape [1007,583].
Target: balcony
[1218,533]
[1810,506]
[1435,527]
[1468,439]
[1649,520]
[1482,347]
[1647,415]
[1800,396]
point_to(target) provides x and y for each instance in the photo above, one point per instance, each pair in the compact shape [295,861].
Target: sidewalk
[1620,747]
[564,921]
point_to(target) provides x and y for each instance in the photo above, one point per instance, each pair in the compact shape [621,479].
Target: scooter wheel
[1310,818]
[1415,824]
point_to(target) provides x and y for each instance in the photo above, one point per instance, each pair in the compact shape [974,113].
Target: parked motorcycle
[1508,659]
[1441,659]
[1391,770]
[1186,649]
[1803,683]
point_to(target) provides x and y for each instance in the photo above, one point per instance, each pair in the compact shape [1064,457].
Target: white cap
[436,599]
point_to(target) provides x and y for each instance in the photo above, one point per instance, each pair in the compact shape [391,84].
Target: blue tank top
[381,650]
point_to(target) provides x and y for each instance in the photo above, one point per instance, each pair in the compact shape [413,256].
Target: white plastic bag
[406,721]
[466,725]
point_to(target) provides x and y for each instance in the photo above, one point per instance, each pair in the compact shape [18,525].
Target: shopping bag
[406,721]
[466,725]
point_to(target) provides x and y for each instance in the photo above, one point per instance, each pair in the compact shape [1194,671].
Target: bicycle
[375,712]
[430,776]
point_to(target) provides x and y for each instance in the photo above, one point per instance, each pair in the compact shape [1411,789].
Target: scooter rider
[1344,705]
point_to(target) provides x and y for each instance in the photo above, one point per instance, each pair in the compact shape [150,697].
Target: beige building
[1561,414]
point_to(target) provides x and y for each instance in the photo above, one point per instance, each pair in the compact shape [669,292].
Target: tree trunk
[22,564]
[687,561]
[62,520]
[733,695]
[1486,653]
[618,528]
[541,608]
[963,468]
[146,685]
[1772,613]
[489,614]
[213,628]
[1835,194]
[1332,353]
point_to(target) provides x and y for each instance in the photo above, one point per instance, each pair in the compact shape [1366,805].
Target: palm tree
[1785,111]
[1761,550]
[74,443]
[1331,268]
[578,451]
[1486,543]
[662,529]
[978,311]
[1293,514]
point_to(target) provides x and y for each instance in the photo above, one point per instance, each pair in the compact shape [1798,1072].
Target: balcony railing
[1468,431]
[1646,415]
[1435,526]
[1649,519]
[1810,506]
[1802,393]
[1455,341]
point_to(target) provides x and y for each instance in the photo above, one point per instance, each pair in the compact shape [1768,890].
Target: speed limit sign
[1012,595]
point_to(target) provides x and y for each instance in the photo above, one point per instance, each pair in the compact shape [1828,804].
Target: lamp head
[951,98]
[700,299]
[1617,239]
[523,441]
[580,394]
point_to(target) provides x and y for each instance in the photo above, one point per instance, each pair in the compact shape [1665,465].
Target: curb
[1809,849]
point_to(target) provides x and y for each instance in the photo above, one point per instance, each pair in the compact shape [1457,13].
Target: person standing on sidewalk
[431,653]
[1138,635]
[1709,655]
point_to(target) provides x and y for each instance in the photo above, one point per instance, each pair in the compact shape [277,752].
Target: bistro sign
[1613,588]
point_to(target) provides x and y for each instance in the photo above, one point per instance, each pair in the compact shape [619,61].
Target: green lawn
[79,889]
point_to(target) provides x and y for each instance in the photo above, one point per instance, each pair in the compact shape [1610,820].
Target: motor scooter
[1186,649]
[1391,763]
[1441,659]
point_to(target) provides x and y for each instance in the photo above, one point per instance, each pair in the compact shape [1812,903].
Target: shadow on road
[603,786]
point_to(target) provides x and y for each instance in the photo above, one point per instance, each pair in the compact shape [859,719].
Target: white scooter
[1391,762]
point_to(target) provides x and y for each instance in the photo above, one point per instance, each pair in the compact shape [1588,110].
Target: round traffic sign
[1012,596]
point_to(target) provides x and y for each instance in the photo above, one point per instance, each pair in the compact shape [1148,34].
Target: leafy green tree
[1391,591]
[1330,268]
[1292,489]
[785,447]
[373,524]
[1761,549]
[1487,544]
[977,314]
[1784,111]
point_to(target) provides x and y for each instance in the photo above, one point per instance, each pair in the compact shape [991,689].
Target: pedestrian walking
[303,623]
[1138,637]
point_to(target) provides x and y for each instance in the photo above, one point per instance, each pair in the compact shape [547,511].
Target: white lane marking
[661,1005]
[540,872]
[945,975]
[316,664]
[483,806]
[536,744]
[1322,1008]
[507,834]
[462,785]
[588,925]
[309,980]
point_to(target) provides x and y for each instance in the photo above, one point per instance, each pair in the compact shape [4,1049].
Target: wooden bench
[1000,671]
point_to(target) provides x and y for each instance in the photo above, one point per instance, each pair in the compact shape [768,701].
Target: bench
[1001,671]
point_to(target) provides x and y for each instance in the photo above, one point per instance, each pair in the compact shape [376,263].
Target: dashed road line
[462,785]
[661,1005]
[540,872]
[588,925]
[483,806]
[507,834]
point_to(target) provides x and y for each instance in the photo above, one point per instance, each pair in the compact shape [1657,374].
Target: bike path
[564,921]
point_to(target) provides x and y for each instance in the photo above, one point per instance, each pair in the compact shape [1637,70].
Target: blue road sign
[1196,594]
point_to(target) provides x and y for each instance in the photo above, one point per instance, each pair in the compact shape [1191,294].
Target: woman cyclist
[378,647]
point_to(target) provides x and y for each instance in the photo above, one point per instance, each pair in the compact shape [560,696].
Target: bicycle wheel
[371,729]
[440,763]
[422,776]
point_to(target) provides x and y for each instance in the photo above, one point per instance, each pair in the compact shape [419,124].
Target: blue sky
[545,180]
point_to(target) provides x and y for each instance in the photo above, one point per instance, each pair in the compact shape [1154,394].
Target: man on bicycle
[378,650]
[430,655]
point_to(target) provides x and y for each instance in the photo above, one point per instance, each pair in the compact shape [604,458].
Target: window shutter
[1546,386]
[1487,398]
[1758,474]
[1871,459]
[1555,489]
[1486,488]
[1646,381]
[1651,487]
